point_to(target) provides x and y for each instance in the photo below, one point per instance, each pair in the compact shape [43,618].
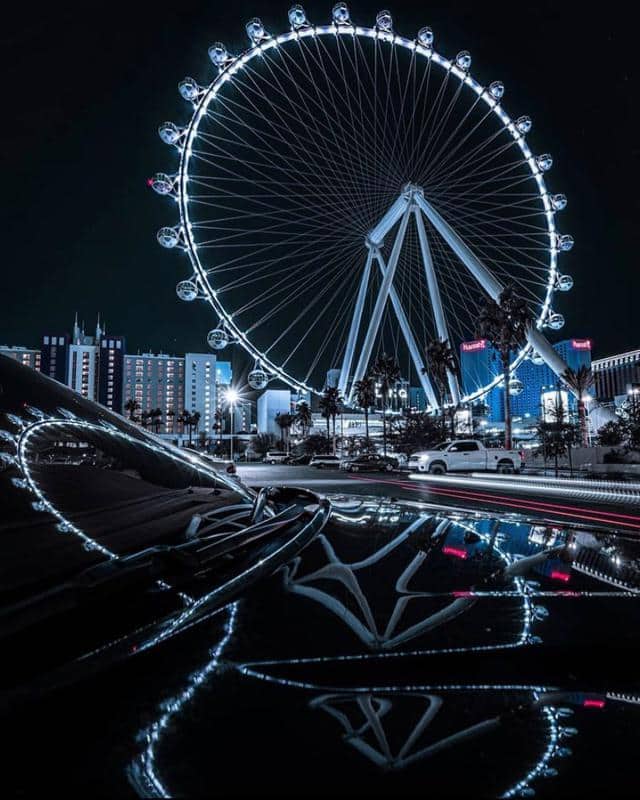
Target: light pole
[231,398]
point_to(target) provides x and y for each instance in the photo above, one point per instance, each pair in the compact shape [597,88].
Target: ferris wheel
[344,190]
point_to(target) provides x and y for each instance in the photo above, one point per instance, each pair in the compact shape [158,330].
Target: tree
[145,418]
[417,430]
[580,381]
[316,443]
[195,423]
[156,419]
[629,415]
[611,434]
[556,433]
[131,406]
[262,443]
[386,372]
[365,394]
[504,324]
[170,417]
[330,403]
[304,418]
[284,422]
[441,361]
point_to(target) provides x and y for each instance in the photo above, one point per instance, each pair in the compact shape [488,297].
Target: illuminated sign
[471,347]
[555,405]
[581,344]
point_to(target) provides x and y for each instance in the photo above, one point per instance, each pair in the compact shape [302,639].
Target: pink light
[592,703]
[463,594]
[454,551]
[581,344]
[470,347]
[149,181]
[560,576]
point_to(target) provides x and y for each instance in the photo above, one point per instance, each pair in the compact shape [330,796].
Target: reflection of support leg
[414,350]
[436,301]
[383,294]
[355,326]
[487,281]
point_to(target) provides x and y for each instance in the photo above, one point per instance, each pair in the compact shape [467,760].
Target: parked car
[325,461]
[466,455]
[298,460]
[370,463]
[275,457]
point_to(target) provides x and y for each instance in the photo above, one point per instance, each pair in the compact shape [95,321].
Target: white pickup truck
[465,455]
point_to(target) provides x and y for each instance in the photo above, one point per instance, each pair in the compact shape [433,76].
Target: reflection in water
[390,576]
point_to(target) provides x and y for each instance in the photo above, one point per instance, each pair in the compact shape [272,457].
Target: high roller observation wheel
[510,223]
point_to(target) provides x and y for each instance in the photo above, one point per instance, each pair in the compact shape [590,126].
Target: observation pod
[384,21]
[565,242]
[497,90]
[516,387]
[187,291]
[463,60]
[425,36]
[161,183]
[170,133]
[297,17]
[340,14]
[189,89]
[218,54]
[565,283]
[255,31]
[217,339]
[536,359]
[168,237]
[555,321]
[524,125]
[544,162]
[258,379]
[559,202]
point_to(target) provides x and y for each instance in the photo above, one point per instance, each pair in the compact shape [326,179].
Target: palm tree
[304,418]
[330,403]
[145,418]
[504,324]
[365,394]
[185,419]
[441,362]
[170,415]
[156,419]
[386,372]
[580,381]
[284,422]
[195,423]
[131,406]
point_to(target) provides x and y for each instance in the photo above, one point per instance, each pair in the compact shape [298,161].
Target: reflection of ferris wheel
[344,190]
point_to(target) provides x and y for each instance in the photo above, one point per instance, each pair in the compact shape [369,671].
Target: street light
[231,397]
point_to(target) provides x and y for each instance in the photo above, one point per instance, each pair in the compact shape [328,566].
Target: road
[525,500]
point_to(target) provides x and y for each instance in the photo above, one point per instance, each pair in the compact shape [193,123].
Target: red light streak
[454,551]
[560,576]
[592,703]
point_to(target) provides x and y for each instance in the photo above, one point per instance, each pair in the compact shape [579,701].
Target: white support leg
[436,301]
[489,283]
[414,350]
[377,234]
[355,326]
[383,294]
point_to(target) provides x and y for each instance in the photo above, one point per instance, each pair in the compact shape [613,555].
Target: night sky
[87,85]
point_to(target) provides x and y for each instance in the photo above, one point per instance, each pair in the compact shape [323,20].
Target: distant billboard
[552,402]
[581,344]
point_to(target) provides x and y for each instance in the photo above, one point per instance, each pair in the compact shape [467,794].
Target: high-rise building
[156,381]
[54,361]
[271,403]
[24,355]
[536,379]
[111,372]
[616,375]
[202,383]
[480,364]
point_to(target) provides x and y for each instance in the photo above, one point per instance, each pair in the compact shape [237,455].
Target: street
[460,494]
